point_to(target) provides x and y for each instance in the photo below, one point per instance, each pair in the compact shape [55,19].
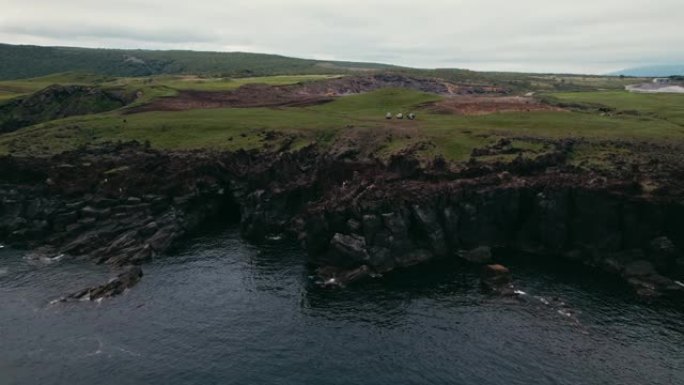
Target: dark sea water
[220,311]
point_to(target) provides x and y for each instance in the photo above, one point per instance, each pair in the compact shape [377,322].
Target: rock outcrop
[57,102]
[396,222]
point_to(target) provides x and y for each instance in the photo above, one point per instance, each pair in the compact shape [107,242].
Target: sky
[578,36]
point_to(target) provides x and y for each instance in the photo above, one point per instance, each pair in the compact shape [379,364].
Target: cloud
[113,32]
[525,35]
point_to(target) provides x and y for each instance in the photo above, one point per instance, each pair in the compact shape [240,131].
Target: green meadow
[355,120]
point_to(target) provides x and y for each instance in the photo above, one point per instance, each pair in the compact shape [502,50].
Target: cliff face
[378,228]
[126,205]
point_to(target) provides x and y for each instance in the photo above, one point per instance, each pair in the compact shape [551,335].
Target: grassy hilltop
[355,120]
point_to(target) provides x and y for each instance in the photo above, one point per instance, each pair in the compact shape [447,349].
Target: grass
[225,84]
[355,122]
[328,124]
[7,95]
[198,83]
[13,88]
[150,87]
[668,107]
[210,128]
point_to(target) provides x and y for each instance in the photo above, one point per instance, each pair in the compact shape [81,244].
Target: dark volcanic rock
[126,204]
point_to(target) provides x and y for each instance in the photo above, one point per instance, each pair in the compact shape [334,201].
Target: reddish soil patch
[484,105]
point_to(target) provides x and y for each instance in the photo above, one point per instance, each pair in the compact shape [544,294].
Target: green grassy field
[358,120]
[668,107]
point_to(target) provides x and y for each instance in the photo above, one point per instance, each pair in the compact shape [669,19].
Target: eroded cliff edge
[125,205]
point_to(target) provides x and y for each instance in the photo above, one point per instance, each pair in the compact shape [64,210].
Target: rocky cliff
[126,205]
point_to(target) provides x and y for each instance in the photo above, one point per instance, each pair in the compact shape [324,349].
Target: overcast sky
[580,36]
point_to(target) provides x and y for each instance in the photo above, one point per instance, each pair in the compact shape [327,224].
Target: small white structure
[388,115]
[661,80]
[411,116]
[400,116]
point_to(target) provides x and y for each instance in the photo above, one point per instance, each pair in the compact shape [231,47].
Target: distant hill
[653,71]
[24,61]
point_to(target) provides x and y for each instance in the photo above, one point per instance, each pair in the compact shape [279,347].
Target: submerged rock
[333,277]
[117,285]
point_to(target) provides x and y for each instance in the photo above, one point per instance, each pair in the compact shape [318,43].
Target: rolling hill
[24,61]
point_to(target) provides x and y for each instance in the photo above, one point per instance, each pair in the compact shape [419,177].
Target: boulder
[496,279]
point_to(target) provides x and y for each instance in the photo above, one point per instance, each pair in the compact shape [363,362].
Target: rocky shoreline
[124,205]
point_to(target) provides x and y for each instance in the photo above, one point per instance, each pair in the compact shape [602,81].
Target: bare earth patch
[472,105]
